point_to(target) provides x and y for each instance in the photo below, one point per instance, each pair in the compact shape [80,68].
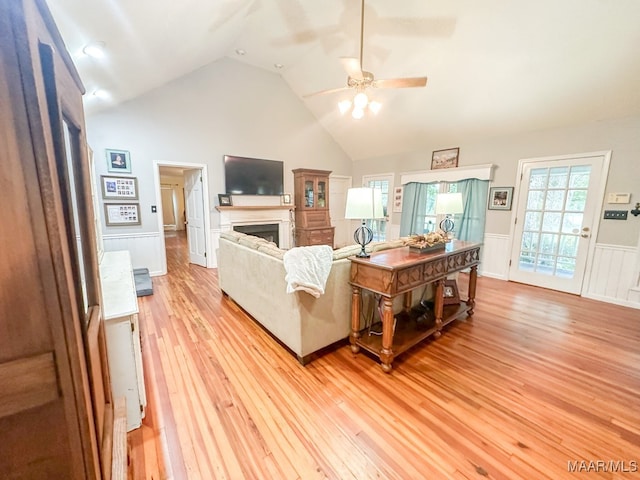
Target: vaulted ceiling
[495,67]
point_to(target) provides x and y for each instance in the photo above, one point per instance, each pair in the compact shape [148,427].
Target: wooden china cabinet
[311,196]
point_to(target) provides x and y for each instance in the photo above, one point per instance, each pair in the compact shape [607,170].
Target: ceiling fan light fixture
[357,113]
[344,106]
[375,107]
[360,100]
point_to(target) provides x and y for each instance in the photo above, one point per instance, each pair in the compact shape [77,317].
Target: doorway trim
[205,194]
[601,188]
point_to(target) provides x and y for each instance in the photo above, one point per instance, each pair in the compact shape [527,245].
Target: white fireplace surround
[259,215]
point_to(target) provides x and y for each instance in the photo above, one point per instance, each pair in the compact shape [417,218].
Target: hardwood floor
[537,384]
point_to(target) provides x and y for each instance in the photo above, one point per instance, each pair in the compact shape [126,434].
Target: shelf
[408,332]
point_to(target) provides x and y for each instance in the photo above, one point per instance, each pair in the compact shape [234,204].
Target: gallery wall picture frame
[397,199]
[447,158]
[118,161]
[224,200]
[119,188]
[285,199]
[122,214]
[500,198]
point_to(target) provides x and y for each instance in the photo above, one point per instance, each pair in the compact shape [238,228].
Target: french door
[557,210]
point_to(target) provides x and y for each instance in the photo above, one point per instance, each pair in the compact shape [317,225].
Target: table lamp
[366,204]
[448,204]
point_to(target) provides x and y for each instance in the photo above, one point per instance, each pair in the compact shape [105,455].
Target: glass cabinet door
[308,193]
[322,192]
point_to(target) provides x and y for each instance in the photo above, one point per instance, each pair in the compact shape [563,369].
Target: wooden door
[194,206]
[53,399]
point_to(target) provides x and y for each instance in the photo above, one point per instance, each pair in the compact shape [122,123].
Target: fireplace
[267,231]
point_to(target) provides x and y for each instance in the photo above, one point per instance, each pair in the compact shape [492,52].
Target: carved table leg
[439,306]
[356,292]
[407,301]
[473,278]
[386,353]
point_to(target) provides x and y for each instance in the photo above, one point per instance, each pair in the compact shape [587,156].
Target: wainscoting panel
[613,275]
[494,256]
[146,249]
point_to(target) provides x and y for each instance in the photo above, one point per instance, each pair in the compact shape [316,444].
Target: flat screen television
[253,176]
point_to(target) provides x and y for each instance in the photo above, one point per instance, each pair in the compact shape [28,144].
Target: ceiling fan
[359,79]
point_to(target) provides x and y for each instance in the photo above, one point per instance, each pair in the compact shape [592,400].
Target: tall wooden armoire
[56,412]
[311,196]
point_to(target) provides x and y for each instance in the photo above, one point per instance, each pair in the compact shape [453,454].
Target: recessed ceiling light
[101,94]
[240,51]
[94,49]
[278,65]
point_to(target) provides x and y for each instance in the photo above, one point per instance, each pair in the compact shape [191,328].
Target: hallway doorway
[189,202]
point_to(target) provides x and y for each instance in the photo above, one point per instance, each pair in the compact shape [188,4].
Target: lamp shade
[364,203]
[448,203]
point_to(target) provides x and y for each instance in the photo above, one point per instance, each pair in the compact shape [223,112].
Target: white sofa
[251,272]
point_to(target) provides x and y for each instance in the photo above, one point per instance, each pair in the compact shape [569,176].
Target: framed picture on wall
[224,199]
[500,198]
[119,188]
[121,214]
[118,161]
[397,199]
[445,158]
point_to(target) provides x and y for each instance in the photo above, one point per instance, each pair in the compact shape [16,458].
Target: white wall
[621,136]
[223,108]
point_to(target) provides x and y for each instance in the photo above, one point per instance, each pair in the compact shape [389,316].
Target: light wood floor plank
[535,380]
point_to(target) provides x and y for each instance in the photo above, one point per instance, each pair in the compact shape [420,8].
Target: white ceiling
[495,66]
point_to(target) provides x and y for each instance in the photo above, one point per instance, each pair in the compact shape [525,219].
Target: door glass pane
[555,200]
[532,221]
[548,243]
[538,178]
[571,223]
[535,200]
[558,177]
[576,200]
[568,245]
[580,176]
[308,193]
[566,267]
[551,222]
[322,194]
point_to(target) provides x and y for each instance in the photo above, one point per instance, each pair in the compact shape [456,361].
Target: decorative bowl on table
[427,242]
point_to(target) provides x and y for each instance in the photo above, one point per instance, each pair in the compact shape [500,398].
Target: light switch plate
[619,198]
[615,214]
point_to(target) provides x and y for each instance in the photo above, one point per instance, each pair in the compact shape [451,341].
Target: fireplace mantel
[260,214]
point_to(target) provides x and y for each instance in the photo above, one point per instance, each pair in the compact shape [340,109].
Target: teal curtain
[414,208]
[469,225]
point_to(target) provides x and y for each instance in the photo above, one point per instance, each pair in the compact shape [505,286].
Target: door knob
[585,235]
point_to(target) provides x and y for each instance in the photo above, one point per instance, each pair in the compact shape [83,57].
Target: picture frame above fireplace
[225,200]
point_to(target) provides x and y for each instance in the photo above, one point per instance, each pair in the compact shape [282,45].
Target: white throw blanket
[308,268]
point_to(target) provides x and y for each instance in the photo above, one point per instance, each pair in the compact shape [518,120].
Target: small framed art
[119,188]
[224,200]
[451,295]
[121,214]
[500,198]
[118,161]
[285,199]
[445,158]
[397,199]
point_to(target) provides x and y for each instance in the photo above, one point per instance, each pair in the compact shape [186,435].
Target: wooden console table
[398,271]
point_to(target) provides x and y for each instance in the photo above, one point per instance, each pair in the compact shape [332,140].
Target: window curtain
[414,208]
[470,223]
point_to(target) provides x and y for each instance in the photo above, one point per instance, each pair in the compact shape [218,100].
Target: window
[431,220]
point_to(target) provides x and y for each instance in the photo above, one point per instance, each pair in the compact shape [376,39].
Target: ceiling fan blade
[325,92]
[352,67]
[400,82]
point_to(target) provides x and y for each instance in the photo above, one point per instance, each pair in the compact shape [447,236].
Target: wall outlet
[615,214]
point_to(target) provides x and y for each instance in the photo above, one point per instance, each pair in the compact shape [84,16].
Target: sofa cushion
[345,252]
[232,235]
[378,246]
[270,249]
[252,242]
